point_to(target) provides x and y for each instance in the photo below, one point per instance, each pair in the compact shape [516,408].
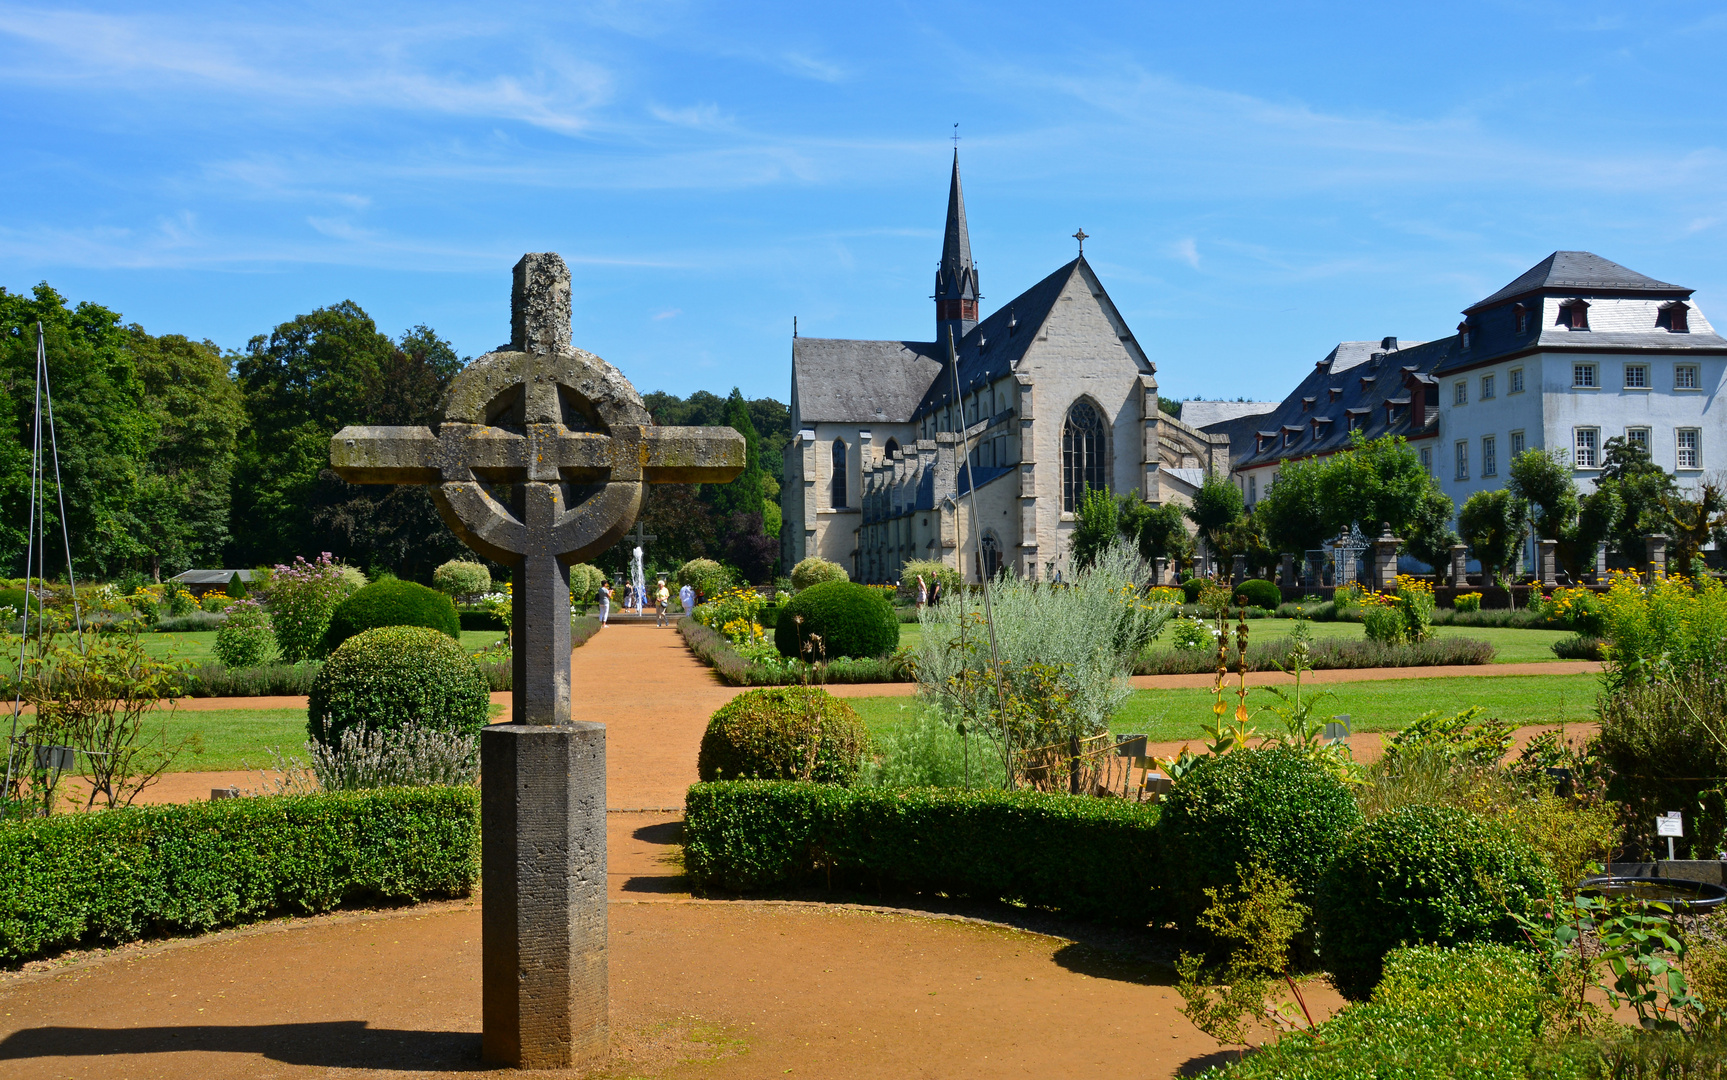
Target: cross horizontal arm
[385,455]
[692,455]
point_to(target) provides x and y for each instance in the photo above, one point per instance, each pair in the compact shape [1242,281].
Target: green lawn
[1388,705]
[199,645]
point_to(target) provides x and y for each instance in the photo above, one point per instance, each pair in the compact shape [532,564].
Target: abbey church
[1049,394]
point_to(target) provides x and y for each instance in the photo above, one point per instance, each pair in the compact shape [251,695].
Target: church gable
[1083,334]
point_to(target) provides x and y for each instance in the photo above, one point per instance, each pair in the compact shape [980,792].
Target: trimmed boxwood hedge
[1277,806]
[766,735]
[1423,875]
[1092,858]
[852,619]
[391,602]
[1259,593]
[392,675]
[120,875]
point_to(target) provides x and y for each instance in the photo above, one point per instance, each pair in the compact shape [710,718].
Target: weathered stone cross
[569,437]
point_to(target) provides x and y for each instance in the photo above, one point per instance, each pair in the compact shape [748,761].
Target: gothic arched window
[1082,451]
[989,560]
[839,474]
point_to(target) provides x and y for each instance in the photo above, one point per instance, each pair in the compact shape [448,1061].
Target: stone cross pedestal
[564,439]
[1385,559]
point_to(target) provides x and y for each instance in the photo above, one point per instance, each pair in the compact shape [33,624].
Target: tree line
[176,454]
[1382,482]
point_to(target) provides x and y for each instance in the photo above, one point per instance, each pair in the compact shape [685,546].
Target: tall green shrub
[245,639]
[815,570]
[385,678]
[462,577]
[1423,875]
[1278,806]
[706,576]
[851,620]
[783,733]
[391,602]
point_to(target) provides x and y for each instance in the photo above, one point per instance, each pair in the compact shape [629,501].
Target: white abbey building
[1054,394]
[1574,352]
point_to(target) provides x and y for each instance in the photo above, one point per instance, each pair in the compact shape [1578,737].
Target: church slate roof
[1583,270]
[1198,414]
[991,350]
[861,381]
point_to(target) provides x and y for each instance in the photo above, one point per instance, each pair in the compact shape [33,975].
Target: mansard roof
[1356,379]
[1579,271]
[845,381]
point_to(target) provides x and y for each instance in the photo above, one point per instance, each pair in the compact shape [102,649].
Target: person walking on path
[605,601]
[922,592]
[662,596]
[687,597]
[935,593]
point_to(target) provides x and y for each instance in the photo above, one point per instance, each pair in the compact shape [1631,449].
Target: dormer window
[1012,323]
[1334,393]
[1306,404]
[1463,335]
[1574,314]
[1675,317]
[1519,316]
[1366,383]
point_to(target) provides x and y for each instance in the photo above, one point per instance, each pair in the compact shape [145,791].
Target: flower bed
[1324,653]
[123,874]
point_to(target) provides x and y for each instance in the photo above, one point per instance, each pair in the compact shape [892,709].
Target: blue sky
[1259,181]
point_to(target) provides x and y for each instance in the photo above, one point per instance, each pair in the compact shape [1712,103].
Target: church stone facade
[1049,394]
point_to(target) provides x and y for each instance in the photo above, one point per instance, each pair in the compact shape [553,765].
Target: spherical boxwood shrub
[16,599]
[815,570]
[770,734]
[1277,806]
[853,620]
[1190,589]
[1259,593]
[390,676]
[1423,875]
[391,603]
[462,577]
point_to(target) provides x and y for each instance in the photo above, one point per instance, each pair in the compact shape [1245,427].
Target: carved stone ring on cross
[559,421]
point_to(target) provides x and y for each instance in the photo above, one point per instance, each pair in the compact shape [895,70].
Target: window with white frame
[1427,459]
[1636,376]
[1460,393]
[1515,378]
[1583,377]
[1685,377]
[1252,490]
[1486,387]
[1690,452]
[1462,450]
[1638,436]
[1516,443]
[1586,444]
[1489,456]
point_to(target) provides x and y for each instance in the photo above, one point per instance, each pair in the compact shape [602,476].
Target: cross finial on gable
[1082,238]
[956,136]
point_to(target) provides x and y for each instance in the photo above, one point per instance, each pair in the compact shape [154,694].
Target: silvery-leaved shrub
[413,755]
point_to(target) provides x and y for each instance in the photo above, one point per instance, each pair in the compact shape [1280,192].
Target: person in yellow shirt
[661,598]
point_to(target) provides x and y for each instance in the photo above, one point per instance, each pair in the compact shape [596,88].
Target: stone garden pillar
[1160,572]
[1384,560]
[1287,575]
[1601,562]
[1460,567]
[1656,549]
[1547,561]
[1237,570]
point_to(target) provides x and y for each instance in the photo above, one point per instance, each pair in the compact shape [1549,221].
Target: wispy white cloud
[670,313]
[1187,250]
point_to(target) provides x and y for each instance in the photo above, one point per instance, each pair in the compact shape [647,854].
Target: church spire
[956,294]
